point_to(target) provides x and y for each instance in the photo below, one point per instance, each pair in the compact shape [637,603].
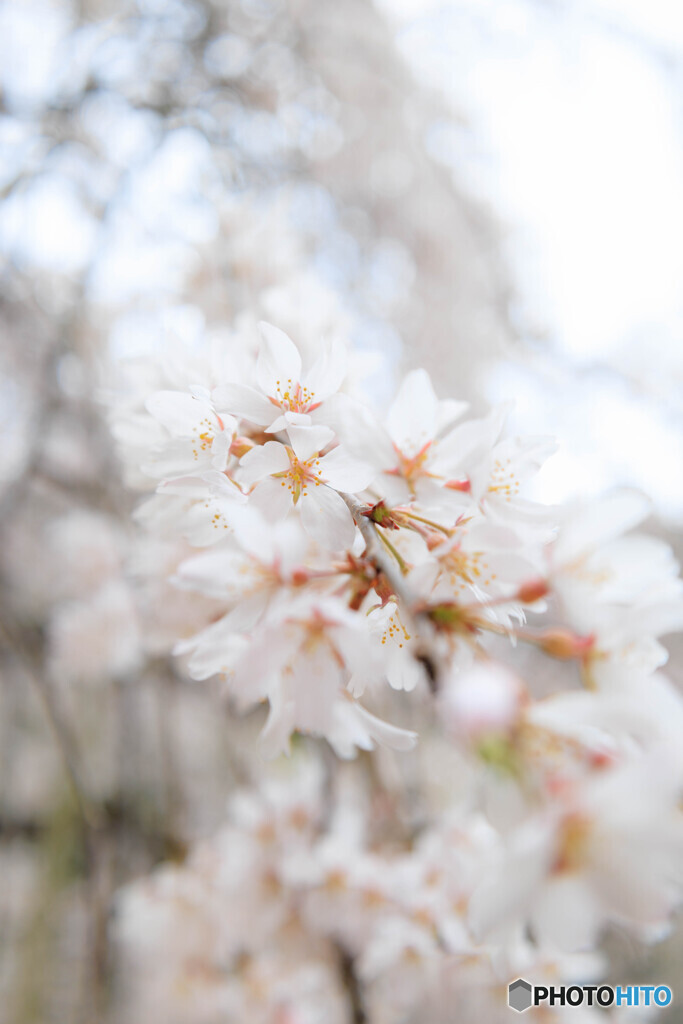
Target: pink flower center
[300,475]
[291,396]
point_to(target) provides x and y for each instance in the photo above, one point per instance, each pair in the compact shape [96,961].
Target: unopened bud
[563,644]
[532,591]
[432,539]
[459,485]
[240,446]
[601,758]
[383,588]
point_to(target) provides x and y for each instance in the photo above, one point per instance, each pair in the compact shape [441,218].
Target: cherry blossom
[199,437]
[285,396]
[362,582]
[609,848]
[286,475]
[312,655]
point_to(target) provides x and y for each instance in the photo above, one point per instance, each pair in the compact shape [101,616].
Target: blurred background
[488,188]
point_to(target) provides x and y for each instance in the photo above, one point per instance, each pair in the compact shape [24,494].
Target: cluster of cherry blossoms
[264,920]
[341,556]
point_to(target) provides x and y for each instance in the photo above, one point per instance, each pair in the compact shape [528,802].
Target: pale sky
[572,132]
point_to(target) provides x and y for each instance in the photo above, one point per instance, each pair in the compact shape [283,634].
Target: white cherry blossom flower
[612,724]
[406,449]
[608,848]
[482,561]
[524,826]
[198,508]
[308,661]
[286,396]
[299,474]
[256,566]
[395,647]
[624,591]
[258,555]
[496,481]
[199,438]
[422,457]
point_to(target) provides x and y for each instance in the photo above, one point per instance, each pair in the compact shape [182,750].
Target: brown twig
[351,984]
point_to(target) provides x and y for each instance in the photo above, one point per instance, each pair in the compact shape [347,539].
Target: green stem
[397,555]
[428,522]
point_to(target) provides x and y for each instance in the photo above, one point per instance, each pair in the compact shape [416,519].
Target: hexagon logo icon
[519,995]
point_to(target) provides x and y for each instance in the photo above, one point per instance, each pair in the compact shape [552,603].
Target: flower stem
[425,650]
[397,555]
[428,522]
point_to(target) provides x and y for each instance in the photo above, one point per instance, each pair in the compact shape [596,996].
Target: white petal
[201,392]
[357,727]
[278,360]
[464,447]
[327,373]
[175,458]
[271,499]
[345,473]
[241,400]
[179,412]
[566,914]
[591,526]
[448,412]
[509,887]
[389,735]
[262,461]
[260,668]
[327,519]
[216,573]
[279,726]
[358,429]
[412,418]
[208,522]
[189,487]
[222,486]
[404,672]
[249,610]
[289,419]
[216,649]
[253,533]
[307,441]
[220,450]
